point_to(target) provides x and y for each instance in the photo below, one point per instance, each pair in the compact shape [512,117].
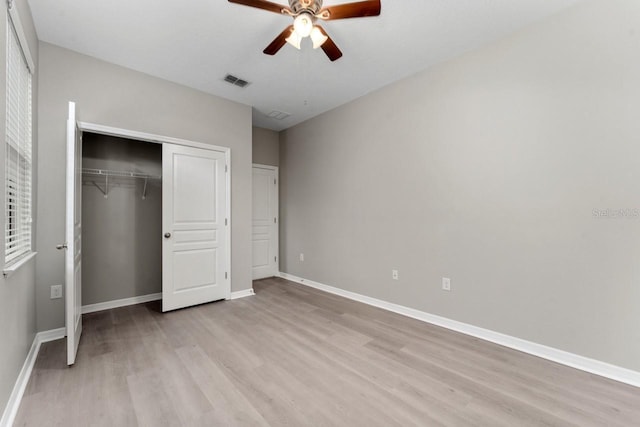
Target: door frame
[275,169]
[161,139]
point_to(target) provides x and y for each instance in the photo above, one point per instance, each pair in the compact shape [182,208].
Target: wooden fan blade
[330,47]
[263,4]
[279,41]
[350,10]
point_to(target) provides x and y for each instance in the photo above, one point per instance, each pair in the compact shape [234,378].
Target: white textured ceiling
[197,42]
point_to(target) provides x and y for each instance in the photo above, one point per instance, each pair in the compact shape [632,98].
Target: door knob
[60,247]
[167,235]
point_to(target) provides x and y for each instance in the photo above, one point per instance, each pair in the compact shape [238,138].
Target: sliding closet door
[196,232]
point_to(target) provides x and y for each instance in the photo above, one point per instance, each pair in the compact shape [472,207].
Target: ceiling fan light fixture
[303,24]
[305,14]
[294,40]
[317,37]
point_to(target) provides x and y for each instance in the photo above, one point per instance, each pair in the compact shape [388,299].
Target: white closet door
[265,222]
[73,236]
[194,204]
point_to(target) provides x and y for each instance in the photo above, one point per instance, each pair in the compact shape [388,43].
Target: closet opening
[147,217]
[121,221]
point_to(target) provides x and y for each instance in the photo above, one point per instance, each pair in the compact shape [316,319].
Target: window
[18,176]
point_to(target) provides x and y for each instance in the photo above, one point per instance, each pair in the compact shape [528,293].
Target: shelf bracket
[104,192]
[144,190]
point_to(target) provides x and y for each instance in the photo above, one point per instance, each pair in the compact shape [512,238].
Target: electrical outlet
[394,274]
[446,284]
[56,291]
[301,257]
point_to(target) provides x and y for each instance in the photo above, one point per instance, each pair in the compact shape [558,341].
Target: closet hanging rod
[121,174]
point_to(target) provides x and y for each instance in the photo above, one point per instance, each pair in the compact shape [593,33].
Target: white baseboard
[51,335]
[92,308]
[241,294]
[13,404]
[586,364]
[11,409]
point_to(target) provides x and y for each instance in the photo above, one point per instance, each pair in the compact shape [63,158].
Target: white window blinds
[18,151]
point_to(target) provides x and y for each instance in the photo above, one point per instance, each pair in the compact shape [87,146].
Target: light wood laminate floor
[294,356]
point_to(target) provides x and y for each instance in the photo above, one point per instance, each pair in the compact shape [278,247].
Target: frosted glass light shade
[303,24]
[294,40]
[317,37]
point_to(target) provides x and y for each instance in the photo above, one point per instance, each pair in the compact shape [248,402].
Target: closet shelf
[118,174]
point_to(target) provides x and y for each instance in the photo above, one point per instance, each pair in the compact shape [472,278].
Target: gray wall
[121,234]
[487,169]
[266,147]
[115,96]
[17,293]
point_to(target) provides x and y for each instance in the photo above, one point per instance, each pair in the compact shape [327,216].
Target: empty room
[320,213]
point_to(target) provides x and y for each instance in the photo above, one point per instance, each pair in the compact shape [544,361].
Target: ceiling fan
[305,14]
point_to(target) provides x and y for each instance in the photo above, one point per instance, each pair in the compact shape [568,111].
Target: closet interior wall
[122,232]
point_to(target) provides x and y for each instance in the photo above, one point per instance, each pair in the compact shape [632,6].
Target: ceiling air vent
[278,115]
[236,81]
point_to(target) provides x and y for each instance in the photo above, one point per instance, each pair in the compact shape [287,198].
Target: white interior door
[195,250]
[73,237]
[265,221]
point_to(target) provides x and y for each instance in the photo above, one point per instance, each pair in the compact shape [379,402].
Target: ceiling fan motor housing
[310,6]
